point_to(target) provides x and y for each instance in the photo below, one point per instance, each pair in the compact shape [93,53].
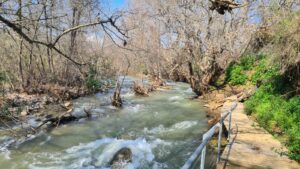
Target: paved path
[253,147]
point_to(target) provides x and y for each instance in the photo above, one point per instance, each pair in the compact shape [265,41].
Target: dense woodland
[206,43]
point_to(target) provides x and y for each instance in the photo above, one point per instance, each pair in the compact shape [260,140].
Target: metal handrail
[205,139]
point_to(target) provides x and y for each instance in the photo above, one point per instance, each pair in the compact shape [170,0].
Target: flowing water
[162,131]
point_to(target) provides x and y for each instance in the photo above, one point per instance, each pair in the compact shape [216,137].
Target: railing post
[203,154]
[220,139]
[229,126]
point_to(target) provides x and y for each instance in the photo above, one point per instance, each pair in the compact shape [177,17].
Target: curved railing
[205,139]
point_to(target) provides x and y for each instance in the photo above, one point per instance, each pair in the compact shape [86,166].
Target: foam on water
[175,98]
[184,124]
[134,108]
[141,150]
[189,91]
[47,140]
[97,154]
[128,94]
[178,126]
[5,143]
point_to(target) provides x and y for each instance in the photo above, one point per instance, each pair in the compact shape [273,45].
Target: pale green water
[161,130]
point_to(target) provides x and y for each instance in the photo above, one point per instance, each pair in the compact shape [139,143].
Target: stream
[161,130]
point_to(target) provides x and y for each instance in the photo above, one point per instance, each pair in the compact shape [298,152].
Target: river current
[161,130]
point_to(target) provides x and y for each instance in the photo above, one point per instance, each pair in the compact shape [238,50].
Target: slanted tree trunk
[210,72]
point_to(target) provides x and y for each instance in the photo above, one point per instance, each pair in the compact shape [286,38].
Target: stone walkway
[253,147]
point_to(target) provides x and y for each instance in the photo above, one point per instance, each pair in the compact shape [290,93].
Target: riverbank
[215,99]
[25,114]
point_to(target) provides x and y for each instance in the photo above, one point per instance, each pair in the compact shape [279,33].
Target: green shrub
[264,72]
[273,111]
[4,112]
[2,77]
[294,107]
[247,62]
[274,104]
[294,142]
[92,82]
[235,75]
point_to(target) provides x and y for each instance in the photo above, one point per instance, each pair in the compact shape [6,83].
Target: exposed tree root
[140,89]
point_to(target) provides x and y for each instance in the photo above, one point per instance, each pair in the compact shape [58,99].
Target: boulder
[232,98]
[79,113]
[123,155]
[219,97]
[24,113]
[206,105]
[68,104]
[70,110]
[213,105]
[243,96]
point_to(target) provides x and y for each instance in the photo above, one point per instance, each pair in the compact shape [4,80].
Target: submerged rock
[24,113]
[79,113]
[68,104]
[123,155]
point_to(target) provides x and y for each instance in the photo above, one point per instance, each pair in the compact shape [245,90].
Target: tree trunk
[21,46]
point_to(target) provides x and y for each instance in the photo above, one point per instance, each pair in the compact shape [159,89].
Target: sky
[117,4]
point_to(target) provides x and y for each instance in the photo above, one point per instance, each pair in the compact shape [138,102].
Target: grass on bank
[269,105]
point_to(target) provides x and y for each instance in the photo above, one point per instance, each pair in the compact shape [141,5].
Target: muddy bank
[214,100]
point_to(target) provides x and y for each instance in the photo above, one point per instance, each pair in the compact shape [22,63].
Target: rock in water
[24,113]
[78,113]
[123,155]
[68,104]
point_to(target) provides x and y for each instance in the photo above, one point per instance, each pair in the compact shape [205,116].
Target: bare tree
[42,28]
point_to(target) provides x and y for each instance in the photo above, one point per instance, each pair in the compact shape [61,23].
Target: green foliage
[235,75]
[238,73]
[4,112]
[92,82]
[274,112]
[278,115]
[273,105]
[285,39]
[264,72]
[2,77]
[247,62]
[282,29]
